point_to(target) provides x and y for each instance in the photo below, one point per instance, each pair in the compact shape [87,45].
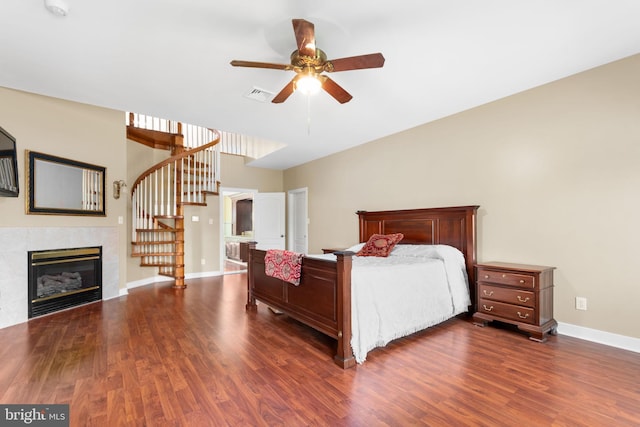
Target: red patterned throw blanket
[283,265]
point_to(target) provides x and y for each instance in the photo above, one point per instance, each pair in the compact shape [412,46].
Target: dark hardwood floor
[231,266]
[161,357]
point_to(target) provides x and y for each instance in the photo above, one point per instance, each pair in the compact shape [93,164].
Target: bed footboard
[321,301]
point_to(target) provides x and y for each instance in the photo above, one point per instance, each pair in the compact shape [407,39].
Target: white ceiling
[170,59]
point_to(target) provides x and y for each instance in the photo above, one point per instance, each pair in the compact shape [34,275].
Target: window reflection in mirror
[65,187]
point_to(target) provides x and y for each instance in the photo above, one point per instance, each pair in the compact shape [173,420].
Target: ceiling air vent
[260,95]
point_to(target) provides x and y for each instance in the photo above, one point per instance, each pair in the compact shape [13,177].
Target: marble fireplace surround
[17,241]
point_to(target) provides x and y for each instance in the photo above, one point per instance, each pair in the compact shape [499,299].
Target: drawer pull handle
[486,276]
[523,299]
[522,281]
[520,315]
[487,293]
[489,308]
[504,275]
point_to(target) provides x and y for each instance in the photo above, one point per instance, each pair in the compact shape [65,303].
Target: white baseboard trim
[148,281]
[202,274]
[155,279]
[601,337]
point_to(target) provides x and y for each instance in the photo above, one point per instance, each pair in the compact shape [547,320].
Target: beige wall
[236,175]
[555,171]
[71,130]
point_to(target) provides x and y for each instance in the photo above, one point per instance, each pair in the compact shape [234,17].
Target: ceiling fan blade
[305,37]
[284,93]
[335,90]
[254,64]
[372,60]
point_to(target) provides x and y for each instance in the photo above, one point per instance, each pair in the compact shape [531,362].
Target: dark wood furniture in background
[323,298]
[330,250]
[244,216]
[518,294]
[244,250]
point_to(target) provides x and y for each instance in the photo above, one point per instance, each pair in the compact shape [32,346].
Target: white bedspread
[417,286]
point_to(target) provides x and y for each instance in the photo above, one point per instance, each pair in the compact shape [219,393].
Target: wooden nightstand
[518,294]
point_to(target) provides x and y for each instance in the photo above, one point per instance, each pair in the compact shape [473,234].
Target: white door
[269,220]
[298,221]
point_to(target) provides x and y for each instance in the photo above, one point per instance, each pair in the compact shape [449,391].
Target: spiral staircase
[160,194]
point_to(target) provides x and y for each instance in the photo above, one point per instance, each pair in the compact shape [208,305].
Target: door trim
[291,217]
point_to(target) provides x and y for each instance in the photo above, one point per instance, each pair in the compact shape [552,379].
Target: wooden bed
[323,298]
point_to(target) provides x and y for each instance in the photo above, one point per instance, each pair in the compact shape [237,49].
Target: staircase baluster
[146,203]
[155,193]
[199,166]
[207,169]
[169,187]
[175,187]
[182,195]
[189,179]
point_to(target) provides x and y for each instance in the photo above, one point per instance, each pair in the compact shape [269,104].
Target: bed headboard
[455,226]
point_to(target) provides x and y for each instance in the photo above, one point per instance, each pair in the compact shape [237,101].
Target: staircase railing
[194,136]
[158,196]
[182,178]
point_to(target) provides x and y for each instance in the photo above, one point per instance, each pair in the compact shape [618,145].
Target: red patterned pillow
[380,244]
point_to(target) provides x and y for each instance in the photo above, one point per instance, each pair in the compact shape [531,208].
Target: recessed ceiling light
[57,7]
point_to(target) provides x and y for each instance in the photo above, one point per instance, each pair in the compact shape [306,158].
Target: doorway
[236,213]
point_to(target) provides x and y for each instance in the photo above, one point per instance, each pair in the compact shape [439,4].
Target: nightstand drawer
[507,311]
[508,295]
[505,278]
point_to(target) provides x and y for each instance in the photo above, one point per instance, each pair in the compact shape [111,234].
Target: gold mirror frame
[59,186]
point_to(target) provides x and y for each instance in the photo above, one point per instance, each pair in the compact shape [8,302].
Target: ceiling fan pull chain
[309,114]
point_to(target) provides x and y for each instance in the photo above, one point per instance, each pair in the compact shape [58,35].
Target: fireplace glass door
[64,278]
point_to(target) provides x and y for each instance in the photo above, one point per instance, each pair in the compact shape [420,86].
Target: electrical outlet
[581,303]
[203,261]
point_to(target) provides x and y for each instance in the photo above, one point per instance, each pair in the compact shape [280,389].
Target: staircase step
[158,230]
[194,204]
[155,264]
[142,255]
[151,138]
[156,243]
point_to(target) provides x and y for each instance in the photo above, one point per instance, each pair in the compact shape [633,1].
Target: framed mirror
[60,186]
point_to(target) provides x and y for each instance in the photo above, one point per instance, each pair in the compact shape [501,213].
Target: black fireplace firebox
[64,278]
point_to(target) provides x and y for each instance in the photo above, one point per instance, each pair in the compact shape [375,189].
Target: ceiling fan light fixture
[308,84]
[57,7]
[310,64]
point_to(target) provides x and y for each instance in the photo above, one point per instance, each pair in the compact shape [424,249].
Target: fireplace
[64,278]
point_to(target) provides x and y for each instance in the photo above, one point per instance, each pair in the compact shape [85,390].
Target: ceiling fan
[309,63]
